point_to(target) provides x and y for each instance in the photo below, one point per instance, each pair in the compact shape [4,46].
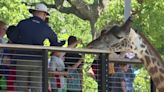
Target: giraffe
[136,43]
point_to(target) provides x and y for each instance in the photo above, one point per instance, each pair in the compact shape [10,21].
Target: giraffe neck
[152,61]
[154,64]
[150,47]
[155,70]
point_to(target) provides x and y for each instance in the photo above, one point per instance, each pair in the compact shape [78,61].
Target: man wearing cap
[33,31]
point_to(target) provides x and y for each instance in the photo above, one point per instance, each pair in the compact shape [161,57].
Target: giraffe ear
[132,34]
[135,38]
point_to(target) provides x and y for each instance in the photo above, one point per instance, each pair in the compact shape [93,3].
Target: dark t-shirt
[117,78]
[74,85]
[71,59]
[33,31]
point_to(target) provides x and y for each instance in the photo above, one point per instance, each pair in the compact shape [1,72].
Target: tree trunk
[93,29]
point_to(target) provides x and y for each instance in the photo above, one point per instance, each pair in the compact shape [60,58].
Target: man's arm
[53,73]
[53,39]
[76,64]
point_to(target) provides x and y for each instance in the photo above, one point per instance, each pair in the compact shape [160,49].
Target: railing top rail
[122,60]
[53,48]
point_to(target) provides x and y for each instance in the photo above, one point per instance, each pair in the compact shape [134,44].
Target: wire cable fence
[21,69]
[26,68]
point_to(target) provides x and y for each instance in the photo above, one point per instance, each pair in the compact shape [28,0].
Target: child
[57,69]
[73,61]
[58,74]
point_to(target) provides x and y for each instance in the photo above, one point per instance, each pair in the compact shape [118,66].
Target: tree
[150,22]
[148,18]
[82,9]
[12,11]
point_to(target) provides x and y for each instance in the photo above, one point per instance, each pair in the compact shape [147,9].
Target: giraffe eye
[142,45]
[121,37]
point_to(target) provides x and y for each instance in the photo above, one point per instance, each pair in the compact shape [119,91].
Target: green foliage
[150,21]
[93,86]
[66,25]
[89,1]
[12,11]
[113,14]
[90,85]
[142,81]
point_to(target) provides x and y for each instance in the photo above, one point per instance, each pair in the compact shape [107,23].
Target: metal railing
[33,60]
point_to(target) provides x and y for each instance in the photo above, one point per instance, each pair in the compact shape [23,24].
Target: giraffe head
[121,39]
[110,37]
[136,44]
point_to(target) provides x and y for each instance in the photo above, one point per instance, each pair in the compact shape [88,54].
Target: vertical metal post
[127,9]
[103,74]
[152,86]
[45,71]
